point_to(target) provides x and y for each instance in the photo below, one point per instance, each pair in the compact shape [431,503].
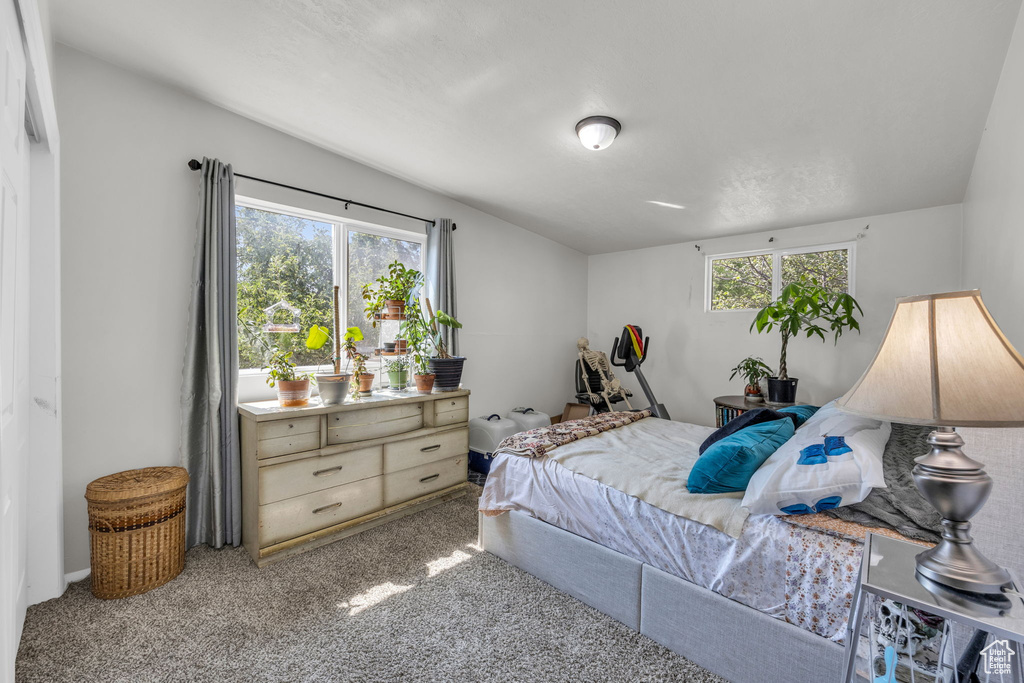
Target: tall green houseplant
[807,307]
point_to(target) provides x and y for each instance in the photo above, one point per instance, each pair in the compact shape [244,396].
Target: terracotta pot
[293,394]
[401,345]
[366,383]
[424,383]
[395,307]
[753,393]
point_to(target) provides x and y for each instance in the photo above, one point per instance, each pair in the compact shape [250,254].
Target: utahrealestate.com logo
[997,656]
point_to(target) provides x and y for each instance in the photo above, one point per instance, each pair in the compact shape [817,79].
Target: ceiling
[753,115]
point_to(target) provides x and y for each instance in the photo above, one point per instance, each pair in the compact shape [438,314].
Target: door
[14,159]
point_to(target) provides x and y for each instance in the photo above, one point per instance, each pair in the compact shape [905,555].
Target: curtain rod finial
[194,165]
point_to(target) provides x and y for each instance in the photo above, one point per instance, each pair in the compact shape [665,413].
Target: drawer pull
[325,508]
[425,479]
[427,449]
[328,472]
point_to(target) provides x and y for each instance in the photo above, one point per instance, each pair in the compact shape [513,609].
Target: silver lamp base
[957,487]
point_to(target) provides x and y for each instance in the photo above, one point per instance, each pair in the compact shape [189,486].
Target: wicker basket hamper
[136,530]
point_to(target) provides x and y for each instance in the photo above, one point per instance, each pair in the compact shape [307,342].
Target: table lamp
[945,363]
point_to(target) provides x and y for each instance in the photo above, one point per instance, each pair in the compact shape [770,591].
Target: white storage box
[528,418]
[485,433]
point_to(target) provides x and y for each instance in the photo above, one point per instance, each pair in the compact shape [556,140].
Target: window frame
[340,229]
[777,255]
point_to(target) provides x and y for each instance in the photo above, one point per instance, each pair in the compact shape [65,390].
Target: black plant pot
[782,390]
[448,371]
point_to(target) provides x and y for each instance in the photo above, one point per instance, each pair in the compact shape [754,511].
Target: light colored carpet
[411,600]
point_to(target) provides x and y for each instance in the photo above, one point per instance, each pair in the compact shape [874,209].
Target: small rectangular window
[750,281]
[829,268]
[741,282]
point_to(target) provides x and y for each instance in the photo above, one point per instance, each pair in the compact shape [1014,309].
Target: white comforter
[651,460]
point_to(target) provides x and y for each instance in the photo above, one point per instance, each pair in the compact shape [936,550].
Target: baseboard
[77,576]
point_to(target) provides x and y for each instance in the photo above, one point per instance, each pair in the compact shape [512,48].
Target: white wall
[993,237]
[129,206]
[692,351]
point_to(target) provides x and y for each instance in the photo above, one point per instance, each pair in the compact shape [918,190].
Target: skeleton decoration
[597,361]
[907,630]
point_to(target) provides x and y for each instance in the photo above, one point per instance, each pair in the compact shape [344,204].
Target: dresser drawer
[301,515]
[401,455]
[423,479]
[448,405]
[299,477]
[290,443]
[373,423]
[278,428]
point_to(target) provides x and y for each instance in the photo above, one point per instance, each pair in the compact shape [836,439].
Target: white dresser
[315,474]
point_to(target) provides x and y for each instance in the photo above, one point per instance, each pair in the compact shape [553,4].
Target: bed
[765,601]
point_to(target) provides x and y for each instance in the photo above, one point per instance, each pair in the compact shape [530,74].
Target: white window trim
[777,254]
[341,227]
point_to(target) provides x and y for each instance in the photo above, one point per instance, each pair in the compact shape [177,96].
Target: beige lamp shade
[943,362]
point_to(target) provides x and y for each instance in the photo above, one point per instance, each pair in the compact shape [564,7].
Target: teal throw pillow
[728,465]
[802,413]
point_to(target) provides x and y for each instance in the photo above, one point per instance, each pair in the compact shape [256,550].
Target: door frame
[45,509]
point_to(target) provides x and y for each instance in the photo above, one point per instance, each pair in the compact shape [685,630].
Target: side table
[888,571]
[729,407]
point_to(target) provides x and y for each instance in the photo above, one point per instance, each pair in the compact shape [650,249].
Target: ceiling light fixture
[665,204]
[598,132]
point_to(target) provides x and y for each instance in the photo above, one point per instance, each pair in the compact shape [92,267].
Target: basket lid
[148,481]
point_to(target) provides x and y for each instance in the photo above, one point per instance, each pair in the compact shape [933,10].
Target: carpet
[411,600]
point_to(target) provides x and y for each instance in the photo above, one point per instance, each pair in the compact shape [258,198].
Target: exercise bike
[595,383]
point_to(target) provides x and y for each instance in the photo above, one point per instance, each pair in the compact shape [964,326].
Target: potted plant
[334,387]
[417,337]
[292,387]
[388,294]
[446,368]
[365,385]
[753,370]
[804,306]
[398,372]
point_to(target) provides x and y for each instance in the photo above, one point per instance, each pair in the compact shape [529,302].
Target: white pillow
[834,459]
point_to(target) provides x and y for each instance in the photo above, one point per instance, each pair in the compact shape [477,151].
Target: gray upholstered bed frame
[724,636]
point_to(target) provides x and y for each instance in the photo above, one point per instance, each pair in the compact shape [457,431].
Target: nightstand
[730,407]
[888,572]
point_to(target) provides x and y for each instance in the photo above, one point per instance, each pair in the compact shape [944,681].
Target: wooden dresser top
[270,410]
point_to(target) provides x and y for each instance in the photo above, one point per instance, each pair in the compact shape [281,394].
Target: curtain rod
[196,165]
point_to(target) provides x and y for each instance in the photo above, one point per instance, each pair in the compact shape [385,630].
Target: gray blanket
[899,507]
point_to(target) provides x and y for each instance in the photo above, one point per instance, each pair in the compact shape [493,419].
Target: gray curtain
[209,389]
[440,276]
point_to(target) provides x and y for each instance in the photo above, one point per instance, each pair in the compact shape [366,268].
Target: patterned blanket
[537,443]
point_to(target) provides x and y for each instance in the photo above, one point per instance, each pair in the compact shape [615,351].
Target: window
[295,256]
[749,281]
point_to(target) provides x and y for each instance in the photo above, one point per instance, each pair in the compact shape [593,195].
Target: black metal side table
[888,572]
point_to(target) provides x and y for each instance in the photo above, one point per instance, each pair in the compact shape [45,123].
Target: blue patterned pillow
[801,413]
[728,464]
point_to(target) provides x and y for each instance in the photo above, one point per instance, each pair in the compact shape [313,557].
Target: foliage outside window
[283,257]
[752,281]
